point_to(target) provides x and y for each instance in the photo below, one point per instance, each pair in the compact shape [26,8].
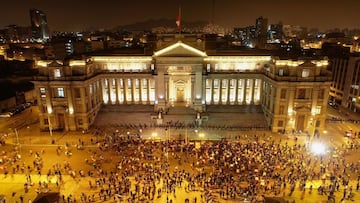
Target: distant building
[275,33]
[292,93]
[39,26]
[345,87]
[245,35]
[261,31]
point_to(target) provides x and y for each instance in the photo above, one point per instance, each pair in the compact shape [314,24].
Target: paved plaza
[62,150]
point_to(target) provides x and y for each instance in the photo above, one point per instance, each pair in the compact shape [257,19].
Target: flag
[178,20]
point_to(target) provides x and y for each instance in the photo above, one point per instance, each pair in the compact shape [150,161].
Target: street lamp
[318,148]
[49,121]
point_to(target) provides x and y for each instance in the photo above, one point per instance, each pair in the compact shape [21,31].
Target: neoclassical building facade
[293,94]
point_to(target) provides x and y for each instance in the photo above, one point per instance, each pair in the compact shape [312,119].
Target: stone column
[125,85]
[133,91]
[220,92]
[212,91]
[109,89]
[198,89]
[228,91]
[148,91]
[140,90]
[236,91]
[252,91]
[244,90]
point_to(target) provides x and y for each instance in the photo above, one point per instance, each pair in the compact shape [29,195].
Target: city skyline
[80,15]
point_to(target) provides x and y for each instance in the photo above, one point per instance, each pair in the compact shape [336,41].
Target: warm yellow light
[290,111]
[288,63]
[201,135]
[180,44]
[122,58]
[239,59]
[42,63]
[49,110]
[77,63]
[71,110]
[154,134]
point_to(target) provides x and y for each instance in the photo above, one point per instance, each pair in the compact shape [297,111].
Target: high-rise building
[261,27]
[276,34]
[39,26]
[344,89]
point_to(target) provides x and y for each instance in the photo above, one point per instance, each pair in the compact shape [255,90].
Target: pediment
[308,64]
[179,49]
[54,63]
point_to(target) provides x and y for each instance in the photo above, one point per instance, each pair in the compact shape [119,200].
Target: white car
[5,115]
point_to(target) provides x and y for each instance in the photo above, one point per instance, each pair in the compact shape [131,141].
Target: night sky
[77,15]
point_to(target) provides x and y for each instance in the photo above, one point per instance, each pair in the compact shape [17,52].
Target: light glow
[42,63]
[122,59]
[288,63]
[238,59]
[180,44]
[77,63]
[71,110]
[318,148]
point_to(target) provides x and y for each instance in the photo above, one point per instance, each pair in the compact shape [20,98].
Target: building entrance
[180,94]
[300,121]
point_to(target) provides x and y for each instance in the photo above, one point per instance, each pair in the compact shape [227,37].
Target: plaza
[161,146]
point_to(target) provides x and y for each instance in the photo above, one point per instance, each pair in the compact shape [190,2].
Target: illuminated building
[292,93]
[344,89]
[39,26]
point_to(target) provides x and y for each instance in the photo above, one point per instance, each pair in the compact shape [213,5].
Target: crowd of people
[126,168]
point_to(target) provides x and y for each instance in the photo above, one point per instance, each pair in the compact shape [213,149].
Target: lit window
[208,67]
[42,92]
[305,73]
[216,83]
[60,92]
[318,109]
[281,72]
[57,73]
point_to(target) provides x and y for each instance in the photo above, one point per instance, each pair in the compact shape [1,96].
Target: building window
[77,92]
[283,94]
[281,110]
[321,94]
[42,92]
[216,83]
[318,110]
[60,92]
[208,68]
[301,93]
[281,72]
[46,121]
[57,73]
[305,73]
[280,123]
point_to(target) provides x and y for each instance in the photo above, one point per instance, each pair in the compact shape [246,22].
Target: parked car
[5,115]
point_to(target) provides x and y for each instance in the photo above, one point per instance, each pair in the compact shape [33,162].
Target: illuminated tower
[39,26]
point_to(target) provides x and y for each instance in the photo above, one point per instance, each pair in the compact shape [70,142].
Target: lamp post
[49,121]
[50,126]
